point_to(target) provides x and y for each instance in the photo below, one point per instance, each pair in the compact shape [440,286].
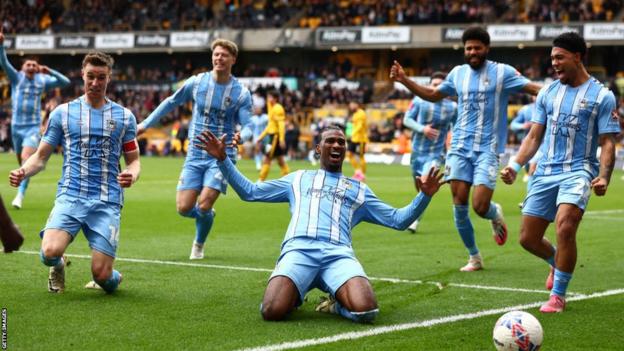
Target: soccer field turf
[167,302]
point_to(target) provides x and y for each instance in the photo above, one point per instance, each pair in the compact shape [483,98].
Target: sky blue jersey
[441,115]
[482,105]
[525,114]
[574,118]
[92,141]
[26,93]
[216,107]
[255,127]
[324,205]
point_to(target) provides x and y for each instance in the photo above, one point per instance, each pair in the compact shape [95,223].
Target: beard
[479,64]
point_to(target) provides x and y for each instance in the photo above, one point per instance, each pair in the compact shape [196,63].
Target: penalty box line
[413,325]
[439,285]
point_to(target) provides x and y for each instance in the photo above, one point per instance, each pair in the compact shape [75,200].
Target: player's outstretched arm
[607,163]
[529,147]
[56,79]
[33,165]
[398,74]
[532,88]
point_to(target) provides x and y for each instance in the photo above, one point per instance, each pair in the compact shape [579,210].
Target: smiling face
[30,67]
[566,64]
[95,78]
[222,60]
[332,149]
[475,53]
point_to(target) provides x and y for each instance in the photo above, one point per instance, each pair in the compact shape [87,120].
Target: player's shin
[465,229]
[203,224]
[358,317]
[110,284]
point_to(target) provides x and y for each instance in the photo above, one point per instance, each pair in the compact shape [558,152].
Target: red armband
[130,146]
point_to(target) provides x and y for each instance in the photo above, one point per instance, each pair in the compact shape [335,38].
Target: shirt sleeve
[131,128]
[608,120]
[378,212]
[277,190]
[411,116]
[6,65]
[54,131]
[55,80]
[244,110]
[513,80]
[539,116]
[517,124]
[448,85]
[182,95]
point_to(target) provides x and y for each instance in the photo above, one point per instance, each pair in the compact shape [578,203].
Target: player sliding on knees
[325,206]
[94,132]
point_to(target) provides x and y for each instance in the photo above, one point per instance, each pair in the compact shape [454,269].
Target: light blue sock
[551,259]
[258,159]
[465,229]
[111,283]
[358,317]
[23,186]
[203,224]
[190,214]
[50,261]
[492,212]
[561,282]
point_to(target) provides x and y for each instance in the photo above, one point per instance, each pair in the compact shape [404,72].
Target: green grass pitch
[213,304]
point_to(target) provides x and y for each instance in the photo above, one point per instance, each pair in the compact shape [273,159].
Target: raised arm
[378,212]
[182,95]
[4,62]
[54,79]
[398,74]
[271,191]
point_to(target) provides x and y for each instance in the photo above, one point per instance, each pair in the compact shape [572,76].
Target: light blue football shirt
[216,107]
[26,93]
[482,95]
[525,114]
[441,115]
[574,118]
[92,141]
[324,205]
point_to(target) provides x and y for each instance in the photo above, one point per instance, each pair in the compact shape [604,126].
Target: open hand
[212,145]
[430,183]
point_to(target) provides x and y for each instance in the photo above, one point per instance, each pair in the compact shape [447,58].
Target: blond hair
[227,45]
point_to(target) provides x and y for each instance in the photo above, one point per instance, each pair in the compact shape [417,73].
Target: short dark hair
[476,33]
[572,42]
[438,75]
[98,58]
[274,93]
[329,128]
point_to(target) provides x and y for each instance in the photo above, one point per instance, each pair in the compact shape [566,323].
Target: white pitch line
[440,285]
[617,219]
[604,212]
[413,325]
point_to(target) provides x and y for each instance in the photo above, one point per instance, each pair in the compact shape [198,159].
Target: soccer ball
[518,331]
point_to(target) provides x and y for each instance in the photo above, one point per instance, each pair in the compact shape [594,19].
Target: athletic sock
[111,283]
[551,259]
[561,282]
[23,186]
[285,169]
[492,212]
[56,262]
[264,172]
[465,229]
[203,224]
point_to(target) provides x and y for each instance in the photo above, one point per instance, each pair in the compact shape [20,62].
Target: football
[518,330]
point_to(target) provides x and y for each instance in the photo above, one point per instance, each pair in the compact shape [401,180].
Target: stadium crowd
[57,16]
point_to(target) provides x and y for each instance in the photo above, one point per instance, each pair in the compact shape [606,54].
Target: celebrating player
[219,103]
[93,132]
[325,205]
[573,116]
[430,123]
[27,86]
[479,135]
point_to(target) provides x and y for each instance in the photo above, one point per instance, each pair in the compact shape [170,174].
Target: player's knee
[184,208]
[51,249]
[101,272]
[481,208]
[205,207]
[526,241]
[273,312]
